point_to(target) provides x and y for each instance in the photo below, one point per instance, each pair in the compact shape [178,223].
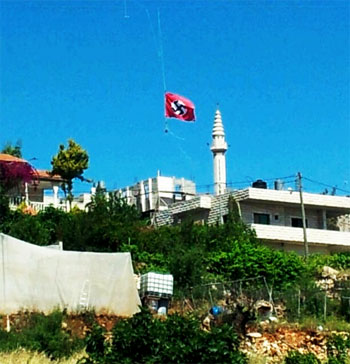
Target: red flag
[179,107]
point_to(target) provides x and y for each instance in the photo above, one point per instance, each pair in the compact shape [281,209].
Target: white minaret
[219,148]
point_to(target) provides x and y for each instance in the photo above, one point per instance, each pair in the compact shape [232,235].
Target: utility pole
[300,187]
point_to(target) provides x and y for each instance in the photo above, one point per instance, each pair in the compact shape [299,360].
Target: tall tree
[70,163]
[15,150]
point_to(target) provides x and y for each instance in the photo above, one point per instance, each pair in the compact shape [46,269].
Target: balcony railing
[15,202]
[294,234]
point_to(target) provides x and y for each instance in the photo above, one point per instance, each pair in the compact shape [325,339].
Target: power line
[326,185]
[284,179]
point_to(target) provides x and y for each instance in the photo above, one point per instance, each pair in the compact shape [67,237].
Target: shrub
[95,345]
[245,259]
[338,349]
[4,207]
[294,357]
[175,340]
[28,228]
[43,334]
[340,261]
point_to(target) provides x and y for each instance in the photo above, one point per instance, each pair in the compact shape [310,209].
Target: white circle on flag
[178,107]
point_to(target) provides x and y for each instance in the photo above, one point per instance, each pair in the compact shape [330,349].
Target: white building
[42,191]
[32,193]
[274,214]
[276,217]
[158,193]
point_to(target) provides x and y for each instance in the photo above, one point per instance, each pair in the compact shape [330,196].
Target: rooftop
[44,175]
[293,197]
[10,158]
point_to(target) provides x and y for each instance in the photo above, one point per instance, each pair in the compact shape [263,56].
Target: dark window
[262,219]
[298,222]
[177,220]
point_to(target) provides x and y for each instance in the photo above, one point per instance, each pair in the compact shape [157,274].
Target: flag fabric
[179,107]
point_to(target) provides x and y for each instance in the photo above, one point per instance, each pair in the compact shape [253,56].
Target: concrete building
[158,193]
[275,214]
[44,191]
[41,193]
[276,217]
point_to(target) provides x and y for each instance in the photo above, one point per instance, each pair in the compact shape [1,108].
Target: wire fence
[293,304]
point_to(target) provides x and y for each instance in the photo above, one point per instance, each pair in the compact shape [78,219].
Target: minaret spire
[219,148]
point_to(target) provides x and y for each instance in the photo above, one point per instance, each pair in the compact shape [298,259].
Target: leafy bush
[145,339]
[26,227]
[105,227]
[294,357]
[43,334]
[96,346]
[193,254]
[338,349]
[245,259]
[340,261]
[4,207]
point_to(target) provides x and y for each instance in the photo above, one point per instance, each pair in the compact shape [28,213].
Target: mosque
[285,219]
[275,214]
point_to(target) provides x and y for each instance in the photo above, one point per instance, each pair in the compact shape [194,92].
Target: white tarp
[36,278]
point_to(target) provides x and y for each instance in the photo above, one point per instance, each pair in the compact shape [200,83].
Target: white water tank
[279,185]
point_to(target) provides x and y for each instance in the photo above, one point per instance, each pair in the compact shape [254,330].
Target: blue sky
[91,71]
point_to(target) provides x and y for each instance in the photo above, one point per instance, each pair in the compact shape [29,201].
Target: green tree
[108,223]
[15,150]
[70,163]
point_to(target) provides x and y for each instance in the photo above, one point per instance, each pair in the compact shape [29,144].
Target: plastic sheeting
[36,278]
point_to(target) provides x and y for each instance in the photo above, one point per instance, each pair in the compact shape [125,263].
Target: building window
[146,187]
[298,222]
[176,220]
[261,219]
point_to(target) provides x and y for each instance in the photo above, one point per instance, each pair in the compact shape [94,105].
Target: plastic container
[157,284]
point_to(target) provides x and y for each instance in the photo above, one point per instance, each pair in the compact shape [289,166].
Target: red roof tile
[11,158]
[45,175]
[40,174]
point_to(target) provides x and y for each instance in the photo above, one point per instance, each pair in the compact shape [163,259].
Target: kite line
[161,52]
[161,57]
[158,42]
[162,64]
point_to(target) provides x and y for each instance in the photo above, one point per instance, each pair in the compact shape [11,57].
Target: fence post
[194,305]
[210,296]
[325,306]
[8,323]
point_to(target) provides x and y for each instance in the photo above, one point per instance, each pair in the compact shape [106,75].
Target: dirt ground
[75,324]
[271,344]
[276,344]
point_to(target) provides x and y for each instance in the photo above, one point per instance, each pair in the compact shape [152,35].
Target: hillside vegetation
[196,255]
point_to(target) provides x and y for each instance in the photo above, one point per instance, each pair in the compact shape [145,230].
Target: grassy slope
[27,357]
